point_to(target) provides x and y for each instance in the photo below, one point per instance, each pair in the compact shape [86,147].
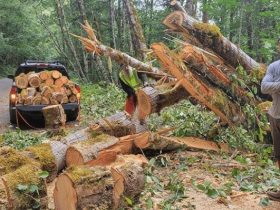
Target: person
[130,81]
[271,85]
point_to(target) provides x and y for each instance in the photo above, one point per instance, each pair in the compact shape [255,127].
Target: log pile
[45,87]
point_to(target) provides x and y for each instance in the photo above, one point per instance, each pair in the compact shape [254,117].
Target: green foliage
[20,139]
[101,100]
[33,190]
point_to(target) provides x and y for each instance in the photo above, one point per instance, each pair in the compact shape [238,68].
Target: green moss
[98,138]
[10,160]
[77,172]
[43,153]
[209,29]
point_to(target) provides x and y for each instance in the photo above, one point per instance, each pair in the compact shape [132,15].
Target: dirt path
[5,85]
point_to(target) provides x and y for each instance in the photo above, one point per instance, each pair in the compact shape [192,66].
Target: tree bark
[211,38]
[137,31]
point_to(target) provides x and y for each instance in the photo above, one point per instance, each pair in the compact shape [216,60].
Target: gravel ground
[5,85]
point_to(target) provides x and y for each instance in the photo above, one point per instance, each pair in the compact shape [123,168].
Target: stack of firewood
[45,87]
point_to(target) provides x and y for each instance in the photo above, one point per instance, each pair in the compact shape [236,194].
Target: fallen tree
[210,37]
[213,99]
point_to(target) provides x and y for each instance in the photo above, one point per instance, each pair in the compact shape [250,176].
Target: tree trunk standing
[66,38]
[205,16]
[112,23]
[249,21]
[139,43]
[231,23]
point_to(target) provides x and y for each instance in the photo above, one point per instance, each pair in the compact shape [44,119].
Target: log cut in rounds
[21,81]
[44,75]
[54,115]
[82,152]
[34,80]
[83,187]
[56,74]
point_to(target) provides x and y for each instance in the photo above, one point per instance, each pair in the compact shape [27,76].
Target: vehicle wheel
[13,118]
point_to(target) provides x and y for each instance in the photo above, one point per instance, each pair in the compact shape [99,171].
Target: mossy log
[211,37]
[214,99]
[51,157]
[218,73]
[54,116]
[82,152]
[154,141]
[83,187]
[152,100]
[11,197]
[119,124]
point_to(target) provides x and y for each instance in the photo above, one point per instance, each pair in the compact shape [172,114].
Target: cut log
[53,101]
[37,100]
[71,86]
[49,82]
[118,125]
[211,37]
[34,80]
[82,152]
[152,100]
[58,96]
[213,99]
[56,74]
[98,187]
[59,82]
[31,91]
[51,157]
[92,45]
[45,100]
[10,196]
[64,79]
[28,100]
[44,75]
[54,116]
[65,99]
[21,81]
[72,98]
[153,141]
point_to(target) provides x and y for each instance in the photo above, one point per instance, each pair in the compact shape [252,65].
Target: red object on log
[130,105]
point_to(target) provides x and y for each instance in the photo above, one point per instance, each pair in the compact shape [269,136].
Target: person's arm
[129,91]
[268,85]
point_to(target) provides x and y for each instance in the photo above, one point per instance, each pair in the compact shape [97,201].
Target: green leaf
[33,188]
[43,174]
[212,193]
[201,187]
[21,187]
[128,201]
[149,203]
[264,202]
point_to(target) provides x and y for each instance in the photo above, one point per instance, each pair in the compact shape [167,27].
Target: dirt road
[5,85]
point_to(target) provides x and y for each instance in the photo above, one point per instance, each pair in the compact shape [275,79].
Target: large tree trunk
[211,37]
[98,187]
[140,46]
[153,100]
[213,99]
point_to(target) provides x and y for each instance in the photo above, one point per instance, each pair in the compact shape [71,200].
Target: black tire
[13,117]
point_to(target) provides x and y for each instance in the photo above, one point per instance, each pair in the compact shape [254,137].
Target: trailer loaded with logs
[38,85]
